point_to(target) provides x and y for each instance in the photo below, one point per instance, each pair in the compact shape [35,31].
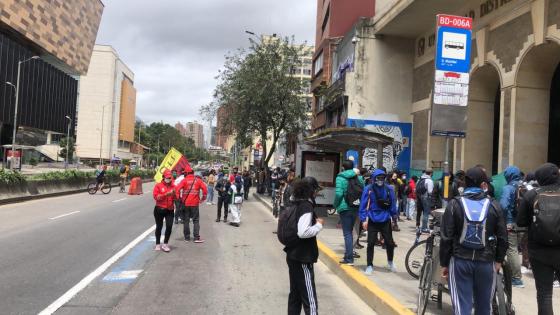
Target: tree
[261,94]
[72,147]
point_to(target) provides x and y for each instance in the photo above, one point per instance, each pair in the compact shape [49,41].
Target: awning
[19,147]
[344,139]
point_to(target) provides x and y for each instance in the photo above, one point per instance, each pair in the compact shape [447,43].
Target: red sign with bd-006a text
[454,21]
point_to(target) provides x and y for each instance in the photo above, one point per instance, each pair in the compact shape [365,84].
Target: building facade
[107,112]
[195,131]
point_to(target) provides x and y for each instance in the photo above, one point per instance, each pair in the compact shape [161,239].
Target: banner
[173,161]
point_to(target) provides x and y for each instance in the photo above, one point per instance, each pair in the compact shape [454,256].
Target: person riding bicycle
[473,245]
[100,176]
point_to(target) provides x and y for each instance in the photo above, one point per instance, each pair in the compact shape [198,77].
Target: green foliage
[261,95]
[72,147]
[11,177]
[33,161]
[61,175]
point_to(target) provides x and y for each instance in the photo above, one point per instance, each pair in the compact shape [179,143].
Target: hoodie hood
[512,173]
[348,174]
[547,174]
[376,173]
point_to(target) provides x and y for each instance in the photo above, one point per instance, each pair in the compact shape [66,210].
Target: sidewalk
[401,285]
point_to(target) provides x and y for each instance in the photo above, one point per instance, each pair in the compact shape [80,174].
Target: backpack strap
[481,216]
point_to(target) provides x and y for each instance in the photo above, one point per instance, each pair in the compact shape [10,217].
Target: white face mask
[167,180]
[379,182]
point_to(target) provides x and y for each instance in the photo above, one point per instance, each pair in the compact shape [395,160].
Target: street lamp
[68,141]
[101,142]
[16,105]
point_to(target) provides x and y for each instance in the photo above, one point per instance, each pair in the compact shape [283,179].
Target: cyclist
[100,176]
[470,256]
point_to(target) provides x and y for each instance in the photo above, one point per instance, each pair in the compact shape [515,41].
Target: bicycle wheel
[415,258]
[499,302]
[106,188]
[92,188]
[425,286]
[508,291]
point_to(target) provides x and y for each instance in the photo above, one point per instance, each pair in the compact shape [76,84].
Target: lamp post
[16,105]
[67,141]
[101,145]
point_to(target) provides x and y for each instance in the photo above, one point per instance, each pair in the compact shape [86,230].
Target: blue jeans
[471,281]
[348,219]
[427,205]
[210,194]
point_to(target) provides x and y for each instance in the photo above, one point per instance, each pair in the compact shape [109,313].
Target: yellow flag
[171,159]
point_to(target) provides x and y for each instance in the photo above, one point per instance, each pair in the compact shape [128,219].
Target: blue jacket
[508,200]
[374,212]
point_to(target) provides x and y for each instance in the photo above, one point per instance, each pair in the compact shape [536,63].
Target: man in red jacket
[164,195]
[189,189]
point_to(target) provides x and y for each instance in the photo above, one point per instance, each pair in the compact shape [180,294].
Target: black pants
[246,192]
[544,276]
[302,289]
[222,203]
[159,215]
[179,210]
[419,211]
[191,213]
[387,234]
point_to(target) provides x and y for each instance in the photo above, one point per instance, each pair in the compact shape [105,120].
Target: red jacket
[189,190]
[163,201]
[412,191]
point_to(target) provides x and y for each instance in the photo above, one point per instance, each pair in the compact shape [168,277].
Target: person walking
[348,192]
[236,200]
[247,184]
[538,210]
[411,198]
[424,190]
[190,189]
[508,202]
[471,256]
[377,208]
[164,195]
[301,256]
[222,187]
[211,182]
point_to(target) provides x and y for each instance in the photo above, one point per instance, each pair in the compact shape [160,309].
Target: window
[326,19]
[318,64]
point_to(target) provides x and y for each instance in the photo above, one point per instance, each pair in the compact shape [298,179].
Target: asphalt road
[47,246]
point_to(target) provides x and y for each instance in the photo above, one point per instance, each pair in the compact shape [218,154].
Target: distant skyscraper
[195,131]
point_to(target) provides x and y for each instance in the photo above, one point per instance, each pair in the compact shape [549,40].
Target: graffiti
[391,153]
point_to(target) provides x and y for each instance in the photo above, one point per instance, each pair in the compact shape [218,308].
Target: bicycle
[94,187]
[502,303]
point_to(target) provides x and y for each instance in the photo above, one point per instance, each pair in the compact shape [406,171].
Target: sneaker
[391,266]
[358,246]
[217,220]
[157,248]
[355,255]
[426,231]
[518,283]
[556,284]
[344,262]
[199,240]
[225,220]
[187,240]
[369,270]
[209,203]
[165,248]
[525,270]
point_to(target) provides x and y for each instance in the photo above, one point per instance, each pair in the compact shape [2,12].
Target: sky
[176,47]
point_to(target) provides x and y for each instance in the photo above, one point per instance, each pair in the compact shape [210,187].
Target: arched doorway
[483,120]
[554,119]
[535,120]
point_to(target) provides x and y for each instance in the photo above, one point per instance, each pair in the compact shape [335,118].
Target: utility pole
[102,125]
[67,141]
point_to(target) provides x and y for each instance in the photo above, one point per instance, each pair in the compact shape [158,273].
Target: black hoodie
[548,177]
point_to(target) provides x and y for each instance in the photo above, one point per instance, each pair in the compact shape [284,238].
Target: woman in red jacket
[164,195]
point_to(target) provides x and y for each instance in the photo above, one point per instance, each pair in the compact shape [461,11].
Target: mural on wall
[395,157]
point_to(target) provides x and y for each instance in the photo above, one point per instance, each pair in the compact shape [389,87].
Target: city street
[237,270]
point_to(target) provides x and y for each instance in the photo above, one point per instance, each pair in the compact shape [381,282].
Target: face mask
[167,180]
[379,182]
[404,177]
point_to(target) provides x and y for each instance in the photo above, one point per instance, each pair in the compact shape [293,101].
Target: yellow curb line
[378,299]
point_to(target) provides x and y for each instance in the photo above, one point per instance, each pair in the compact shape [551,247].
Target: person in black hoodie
[222,187]
[301,257]
[545,260]
[470,256]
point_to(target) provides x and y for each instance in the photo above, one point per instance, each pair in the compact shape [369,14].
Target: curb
[375,297]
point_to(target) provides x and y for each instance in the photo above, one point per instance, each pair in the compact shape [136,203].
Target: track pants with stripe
[302,289]
[471,285]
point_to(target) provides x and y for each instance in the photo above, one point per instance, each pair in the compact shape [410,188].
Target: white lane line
[64,215]
[96,273]
[119,200]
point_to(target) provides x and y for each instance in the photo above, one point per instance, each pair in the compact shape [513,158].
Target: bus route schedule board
[451,81]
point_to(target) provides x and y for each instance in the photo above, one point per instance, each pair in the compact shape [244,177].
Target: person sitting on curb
[377,208]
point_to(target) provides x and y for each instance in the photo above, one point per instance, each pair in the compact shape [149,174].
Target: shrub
[11,177]
[61,175]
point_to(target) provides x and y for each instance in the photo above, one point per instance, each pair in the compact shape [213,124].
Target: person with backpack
[348,192]
[473,246]
[222,187]
[508,202]
[539,210]
[236,200]
[298,227]
[377,208]
[424,190]
[190,189]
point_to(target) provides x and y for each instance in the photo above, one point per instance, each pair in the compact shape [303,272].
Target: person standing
[211,182]
[411,198]
[348,192]
[301,256]
[538,210]
[508,202]
[164,195]
[190,189]
[222,187]
[395,183]
[424,190]
[236,200]
[377,208]
[274,181]
[179,206]
[247,184]
[471,256]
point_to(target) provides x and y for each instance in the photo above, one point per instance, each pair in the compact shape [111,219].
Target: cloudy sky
[175,47]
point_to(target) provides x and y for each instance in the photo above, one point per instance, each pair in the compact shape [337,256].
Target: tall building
[195,131]
[52,59]
[181,128]
[107,109]
[221,135]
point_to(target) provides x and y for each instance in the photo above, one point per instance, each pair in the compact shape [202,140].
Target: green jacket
[341,188]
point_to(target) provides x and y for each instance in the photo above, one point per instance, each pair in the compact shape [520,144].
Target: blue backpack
[473,235]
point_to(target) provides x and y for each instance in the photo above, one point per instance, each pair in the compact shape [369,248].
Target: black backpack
[288,226]
[421,187]
[546,220]
[354,192]
[123,169]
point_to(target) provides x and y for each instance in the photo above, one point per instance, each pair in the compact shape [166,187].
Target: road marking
[64,215]
[96,273]
[122,276]
[119,200]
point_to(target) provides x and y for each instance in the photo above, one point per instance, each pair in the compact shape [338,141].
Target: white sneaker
[209,203]
[556,284]
[391,266]
[369,270]
[525,270]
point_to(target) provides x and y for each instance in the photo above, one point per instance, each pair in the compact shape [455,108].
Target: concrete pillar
[49,137]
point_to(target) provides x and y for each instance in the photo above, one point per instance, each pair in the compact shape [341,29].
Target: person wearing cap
[471,256]
[164,195]
[190,190]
